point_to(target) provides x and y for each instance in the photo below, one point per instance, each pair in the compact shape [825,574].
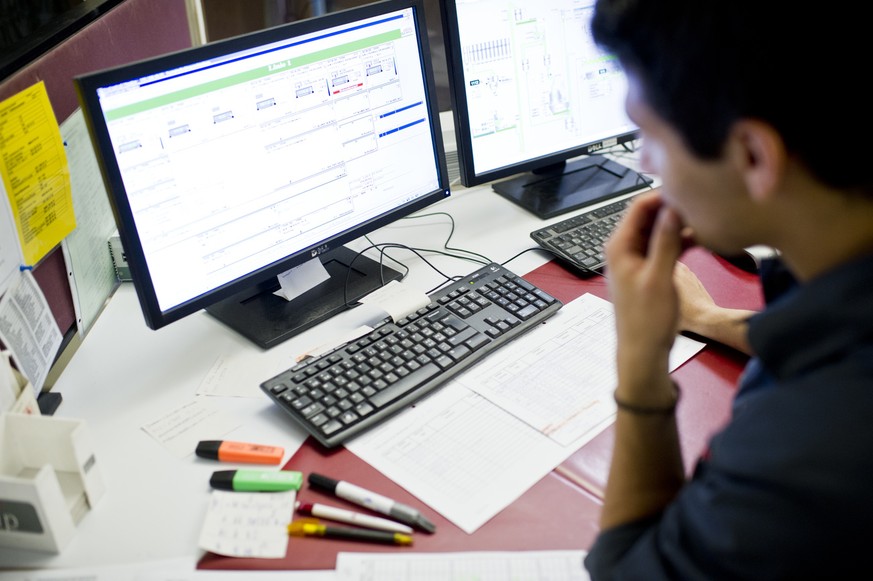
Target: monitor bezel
[463,133]
[87,85]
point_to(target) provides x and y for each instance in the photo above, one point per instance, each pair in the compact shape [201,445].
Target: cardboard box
[49,480]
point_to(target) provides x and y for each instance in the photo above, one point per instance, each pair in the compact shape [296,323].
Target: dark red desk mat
[554,514]
[561,511]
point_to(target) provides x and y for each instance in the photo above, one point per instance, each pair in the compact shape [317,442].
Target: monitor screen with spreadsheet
[230,163]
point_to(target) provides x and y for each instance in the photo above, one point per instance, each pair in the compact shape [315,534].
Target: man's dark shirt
[786,490]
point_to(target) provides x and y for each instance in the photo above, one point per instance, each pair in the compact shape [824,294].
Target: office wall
[132,30]
[30,28]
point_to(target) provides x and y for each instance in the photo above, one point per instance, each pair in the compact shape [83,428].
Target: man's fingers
[665,244]
[632,234]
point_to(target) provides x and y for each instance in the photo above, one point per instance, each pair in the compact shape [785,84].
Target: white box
[23,396]
[49,479]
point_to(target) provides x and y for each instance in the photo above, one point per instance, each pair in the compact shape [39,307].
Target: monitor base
[568,186]
[268,320]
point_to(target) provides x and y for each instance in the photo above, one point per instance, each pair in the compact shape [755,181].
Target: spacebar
[405,384]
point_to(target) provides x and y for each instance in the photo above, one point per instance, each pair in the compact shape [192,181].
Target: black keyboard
[354,387]
[579,240]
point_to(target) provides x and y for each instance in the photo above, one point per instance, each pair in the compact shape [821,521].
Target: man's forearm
[646,469]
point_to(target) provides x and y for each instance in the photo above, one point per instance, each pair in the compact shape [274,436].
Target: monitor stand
[566,186]
[267,319]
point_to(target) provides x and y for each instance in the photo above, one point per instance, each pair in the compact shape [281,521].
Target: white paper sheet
[570,361]
[460,454]
[28,328]
[181,429]
[10,248]
[86,249]
[8,385]
[298,280]
[478,565]
[397,299]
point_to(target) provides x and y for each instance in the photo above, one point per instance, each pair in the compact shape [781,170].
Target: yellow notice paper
[35,172]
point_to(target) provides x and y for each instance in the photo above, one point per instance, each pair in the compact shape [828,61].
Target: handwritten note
[248,524]
[181,429]
[35,173]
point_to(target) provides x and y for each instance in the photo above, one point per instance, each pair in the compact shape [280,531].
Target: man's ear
[759,153]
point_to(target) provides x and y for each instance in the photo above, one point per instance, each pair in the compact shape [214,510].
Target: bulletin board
[131,30]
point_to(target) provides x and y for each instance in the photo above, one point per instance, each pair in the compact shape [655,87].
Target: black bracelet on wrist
[649,410]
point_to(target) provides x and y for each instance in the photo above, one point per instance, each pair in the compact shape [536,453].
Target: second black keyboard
[354,387]
[579,240]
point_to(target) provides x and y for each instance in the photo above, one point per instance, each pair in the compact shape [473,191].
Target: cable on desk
[382,253]
[417,251]
[451,233]
[526,250]
[448,250]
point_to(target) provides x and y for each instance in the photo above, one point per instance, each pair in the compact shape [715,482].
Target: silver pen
[349,516]
[373,501]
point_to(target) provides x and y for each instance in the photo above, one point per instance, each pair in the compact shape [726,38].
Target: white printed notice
[28,328]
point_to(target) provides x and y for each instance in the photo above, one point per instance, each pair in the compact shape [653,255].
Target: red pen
[228,451]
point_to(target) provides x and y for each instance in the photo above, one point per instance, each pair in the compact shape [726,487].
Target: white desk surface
[125,375]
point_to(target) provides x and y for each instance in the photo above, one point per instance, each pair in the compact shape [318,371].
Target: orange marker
[227,451]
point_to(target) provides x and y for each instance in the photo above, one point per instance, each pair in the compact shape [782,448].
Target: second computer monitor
[530,91]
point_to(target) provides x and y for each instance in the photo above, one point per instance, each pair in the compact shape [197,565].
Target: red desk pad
[553,514]
[561,511]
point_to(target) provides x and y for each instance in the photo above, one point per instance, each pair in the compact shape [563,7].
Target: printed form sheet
[481,566]
[475,445]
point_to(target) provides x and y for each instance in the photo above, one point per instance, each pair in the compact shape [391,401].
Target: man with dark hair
[739,105]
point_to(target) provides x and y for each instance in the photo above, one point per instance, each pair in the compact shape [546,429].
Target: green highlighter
[256,480]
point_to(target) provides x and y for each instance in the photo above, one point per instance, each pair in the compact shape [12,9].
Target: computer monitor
[530,92]
[229,163]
